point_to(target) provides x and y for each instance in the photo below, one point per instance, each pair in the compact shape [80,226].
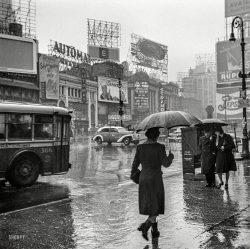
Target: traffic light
[121,112]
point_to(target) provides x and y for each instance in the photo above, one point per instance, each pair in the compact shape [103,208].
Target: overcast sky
[187,27]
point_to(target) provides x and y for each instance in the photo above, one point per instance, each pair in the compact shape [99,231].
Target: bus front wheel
[24,172]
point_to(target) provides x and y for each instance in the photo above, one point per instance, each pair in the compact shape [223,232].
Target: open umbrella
[212,122]
[168,119]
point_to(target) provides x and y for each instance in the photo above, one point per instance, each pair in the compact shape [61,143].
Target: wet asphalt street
[95,205]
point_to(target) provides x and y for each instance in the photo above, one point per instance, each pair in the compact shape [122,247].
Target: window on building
[72,92]
[62,90]
[69,91]
[79,93]
[75,92]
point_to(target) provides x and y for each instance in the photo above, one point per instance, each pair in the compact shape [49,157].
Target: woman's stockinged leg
[152,218]
[227,177]
[220,177]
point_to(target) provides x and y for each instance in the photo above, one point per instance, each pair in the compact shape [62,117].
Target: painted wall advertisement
[108,90]
[230,104]
[229,62]
[49,76]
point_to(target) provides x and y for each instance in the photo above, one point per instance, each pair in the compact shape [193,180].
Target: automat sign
[69,56]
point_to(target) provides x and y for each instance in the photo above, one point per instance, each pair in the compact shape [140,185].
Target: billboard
[108,90]
[103,53]
[49,76]
[18,54]
[150,54]
[229,62]
[236,7]
[229,105]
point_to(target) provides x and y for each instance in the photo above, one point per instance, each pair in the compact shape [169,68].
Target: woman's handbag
[135,176]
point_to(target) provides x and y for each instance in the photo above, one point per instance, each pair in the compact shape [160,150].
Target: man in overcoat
[208,156]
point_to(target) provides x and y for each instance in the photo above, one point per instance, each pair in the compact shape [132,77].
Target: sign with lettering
[236,7]
[229,62]
[69,56]
[141,95]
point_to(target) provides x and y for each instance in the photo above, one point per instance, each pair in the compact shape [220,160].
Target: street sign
[243,103]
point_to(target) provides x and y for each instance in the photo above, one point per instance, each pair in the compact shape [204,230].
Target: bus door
[61,145]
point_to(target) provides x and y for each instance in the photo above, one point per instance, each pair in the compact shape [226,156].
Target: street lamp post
[120,102]
[238,23]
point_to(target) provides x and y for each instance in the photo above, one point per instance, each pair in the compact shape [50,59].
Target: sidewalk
[107,217]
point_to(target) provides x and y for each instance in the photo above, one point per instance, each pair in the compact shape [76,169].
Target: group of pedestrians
[217,156]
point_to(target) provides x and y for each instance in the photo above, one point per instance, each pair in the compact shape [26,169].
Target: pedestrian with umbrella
[225,161]
[151,155]
[208,156]
[208,148]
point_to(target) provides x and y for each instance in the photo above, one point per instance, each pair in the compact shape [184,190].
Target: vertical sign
[141,95]
[162,99]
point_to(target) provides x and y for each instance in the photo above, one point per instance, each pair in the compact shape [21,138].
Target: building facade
[199,90]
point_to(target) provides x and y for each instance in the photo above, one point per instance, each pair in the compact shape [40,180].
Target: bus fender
[18,153]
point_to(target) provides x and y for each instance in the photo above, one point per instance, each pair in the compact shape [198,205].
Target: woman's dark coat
[208,153]
[225,161]
[151,189]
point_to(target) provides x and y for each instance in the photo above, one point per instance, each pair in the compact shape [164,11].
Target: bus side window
[2,127]
[19,126]
[66,128]
[43,127]
[58,127]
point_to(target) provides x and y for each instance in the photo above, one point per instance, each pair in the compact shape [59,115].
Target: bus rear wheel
[24,172]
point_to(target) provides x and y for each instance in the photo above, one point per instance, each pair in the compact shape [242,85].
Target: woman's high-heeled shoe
[154,230]
[226,186]
[144,227]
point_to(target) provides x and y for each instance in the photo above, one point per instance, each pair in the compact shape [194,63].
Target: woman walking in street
[151,155]
[225,161]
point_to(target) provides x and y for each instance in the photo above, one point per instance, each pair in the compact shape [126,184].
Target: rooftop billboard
[149,54]
[18,54]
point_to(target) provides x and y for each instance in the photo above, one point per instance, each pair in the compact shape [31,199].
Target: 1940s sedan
[115,134]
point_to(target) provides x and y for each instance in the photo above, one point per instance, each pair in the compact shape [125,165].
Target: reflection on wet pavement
[102,211]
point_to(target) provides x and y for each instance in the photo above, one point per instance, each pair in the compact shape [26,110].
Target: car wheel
[98,141]
[126,141]
[24,172]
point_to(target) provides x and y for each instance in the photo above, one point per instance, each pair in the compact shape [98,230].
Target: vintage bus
[34,140]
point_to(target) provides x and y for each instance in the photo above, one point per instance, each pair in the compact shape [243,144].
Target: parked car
[115,134]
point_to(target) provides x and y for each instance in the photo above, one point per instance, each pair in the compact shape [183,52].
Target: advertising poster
[49,75]
[229,62]
[108,90]
[229,105]
[148,53]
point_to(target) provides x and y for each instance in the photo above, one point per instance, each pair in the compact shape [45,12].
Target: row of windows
[72,92]
[17,126]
